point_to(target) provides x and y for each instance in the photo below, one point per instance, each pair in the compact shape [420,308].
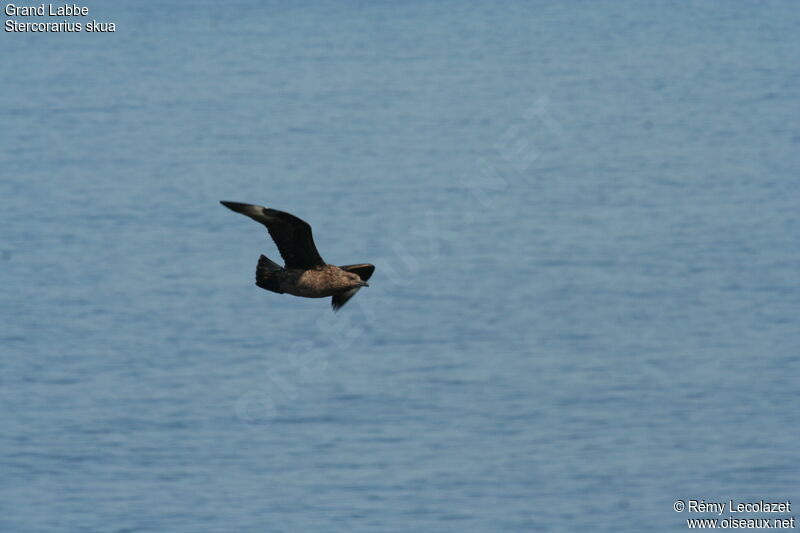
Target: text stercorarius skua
[304,272]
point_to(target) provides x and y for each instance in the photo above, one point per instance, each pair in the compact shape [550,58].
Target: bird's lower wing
[364,270]
[342,298]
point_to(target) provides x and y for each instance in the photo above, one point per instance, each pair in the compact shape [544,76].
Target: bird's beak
[363,284]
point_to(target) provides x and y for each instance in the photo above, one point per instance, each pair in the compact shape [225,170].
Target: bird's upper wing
[364,271]
[292,235]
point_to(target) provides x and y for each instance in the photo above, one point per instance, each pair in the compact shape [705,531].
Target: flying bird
[304,272]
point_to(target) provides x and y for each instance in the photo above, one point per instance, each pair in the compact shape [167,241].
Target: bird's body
[317,282]
[305,274]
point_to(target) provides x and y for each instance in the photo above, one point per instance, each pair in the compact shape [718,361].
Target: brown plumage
[304,272]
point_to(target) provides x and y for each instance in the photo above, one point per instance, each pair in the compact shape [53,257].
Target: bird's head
[355,281]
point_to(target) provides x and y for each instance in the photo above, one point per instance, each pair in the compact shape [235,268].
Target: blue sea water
[584,217]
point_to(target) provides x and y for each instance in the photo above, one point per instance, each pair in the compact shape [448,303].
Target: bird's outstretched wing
[364,271]
[292,235]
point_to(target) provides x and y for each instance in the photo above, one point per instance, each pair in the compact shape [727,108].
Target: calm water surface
[585,221]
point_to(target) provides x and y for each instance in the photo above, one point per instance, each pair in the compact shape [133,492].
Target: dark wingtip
[239,207]
[231,205]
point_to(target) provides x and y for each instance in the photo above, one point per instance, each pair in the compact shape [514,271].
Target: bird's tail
[265,274]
